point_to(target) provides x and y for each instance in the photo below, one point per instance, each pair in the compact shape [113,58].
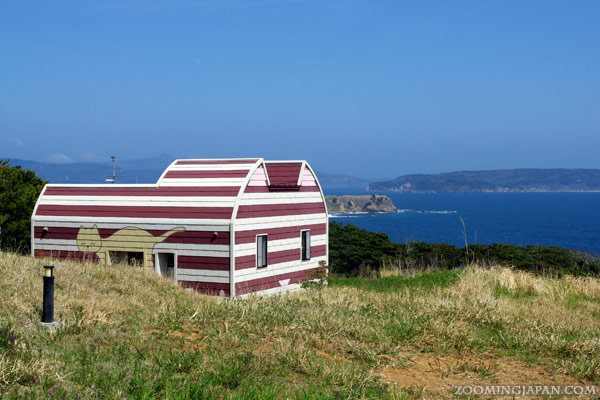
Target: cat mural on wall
[126,240]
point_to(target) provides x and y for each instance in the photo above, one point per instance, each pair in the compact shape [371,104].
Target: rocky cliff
[347,204]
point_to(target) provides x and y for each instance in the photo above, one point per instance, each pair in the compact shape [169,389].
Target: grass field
[127,333]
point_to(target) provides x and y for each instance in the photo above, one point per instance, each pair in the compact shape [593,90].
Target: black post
[48,311]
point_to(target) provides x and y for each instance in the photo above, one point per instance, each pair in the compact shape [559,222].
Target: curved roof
[187,189]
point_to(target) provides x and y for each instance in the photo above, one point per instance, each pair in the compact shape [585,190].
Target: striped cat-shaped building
[223,227]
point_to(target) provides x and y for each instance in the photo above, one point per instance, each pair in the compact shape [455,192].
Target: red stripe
[243,262]
[55,233]
[284,188]
[207,174]
[285,174]
[137,212]
[265,189]
[196,237]
[279,233]
[207,287]
[211,263]
[273,281]
[273,210]
[216,162]
[278,257]
[283,166]
[133,191]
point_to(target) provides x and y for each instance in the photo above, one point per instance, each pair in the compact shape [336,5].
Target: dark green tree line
[351,249]
[19,191]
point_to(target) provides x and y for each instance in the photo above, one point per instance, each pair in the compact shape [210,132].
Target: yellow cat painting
[126,240]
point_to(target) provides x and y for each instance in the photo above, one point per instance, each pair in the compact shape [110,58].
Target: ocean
[568,220]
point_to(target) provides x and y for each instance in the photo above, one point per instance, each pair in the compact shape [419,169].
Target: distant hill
[146,170]
[331,181]
[505,180]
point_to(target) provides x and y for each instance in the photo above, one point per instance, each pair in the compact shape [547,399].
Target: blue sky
[373,89]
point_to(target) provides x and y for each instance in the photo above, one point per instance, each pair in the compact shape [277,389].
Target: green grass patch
[430,280]
[574,299]
[501,291]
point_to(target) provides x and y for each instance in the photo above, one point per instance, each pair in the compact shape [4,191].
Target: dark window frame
[305,245]
[262,253]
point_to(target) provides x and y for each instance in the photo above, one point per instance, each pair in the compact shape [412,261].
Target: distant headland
[503,180]
[365,203]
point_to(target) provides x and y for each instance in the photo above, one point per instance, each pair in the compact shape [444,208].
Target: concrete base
[54,324]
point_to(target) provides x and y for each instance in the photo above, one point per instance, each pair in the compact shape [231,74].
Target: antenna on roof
[113,178]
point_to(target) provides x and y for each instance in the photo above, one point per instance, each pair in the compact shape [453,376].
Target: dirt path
[435,374]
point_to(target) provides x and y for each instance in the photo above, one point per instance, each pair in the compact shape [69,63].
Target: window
[135,258]
[261,251]
[305,245]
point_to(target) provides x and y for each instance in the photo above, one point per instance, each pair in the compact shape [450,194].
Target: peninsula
[349,204]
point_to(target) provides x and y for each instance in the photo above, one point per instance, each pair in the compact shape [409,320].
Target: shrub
[19,191]
[354,252]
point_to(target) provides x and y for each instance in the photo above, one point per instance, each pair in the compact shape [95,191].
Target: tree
[19,191]
[350,247]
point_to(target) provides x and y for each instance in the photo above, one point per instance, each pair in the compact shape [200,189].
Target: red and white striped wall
[215,208]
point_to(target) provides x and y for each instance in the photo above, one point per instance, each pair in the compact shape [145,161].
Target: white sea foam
[428,211]
[362,213]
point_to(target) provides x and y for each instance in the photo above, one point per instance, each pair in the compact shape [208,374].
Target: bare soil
[438,374]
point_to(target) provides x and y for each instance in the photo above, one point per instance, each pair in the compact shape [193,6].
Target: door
[165,265]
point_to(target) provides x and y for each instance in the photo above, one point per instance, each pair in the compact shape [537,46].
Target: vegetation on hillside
[127,333]
[355,251]
[504,180]
[19,191]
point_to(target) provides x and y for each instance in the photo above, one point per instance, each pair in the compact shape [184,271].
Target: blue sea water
[569,220]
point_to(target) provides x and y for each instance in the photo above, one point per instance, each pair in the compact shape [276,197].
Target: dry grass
[86,294]
[126,332]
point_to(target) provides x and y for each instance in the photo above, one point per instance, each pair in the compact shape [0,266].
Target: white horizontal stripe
[135,221]
[55,242]
[208,279]
[249,224]
[201,272]
[58,247]
[196,253]
[249,274]
[159,227]
[171,201]
[215,160]
[273,291]
[212,167]
[296,200]
[201,182]
[216,248]
[248,249]
[282,195]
